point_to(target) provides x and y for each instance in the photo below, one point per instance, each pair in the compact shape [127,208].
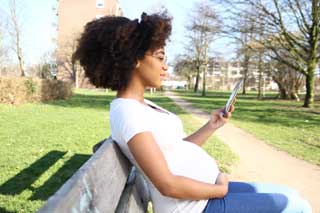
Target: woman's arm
[151,160]
[215,122]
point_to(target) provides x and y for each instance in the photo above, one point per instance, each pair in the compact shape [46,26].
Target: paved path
[263,163]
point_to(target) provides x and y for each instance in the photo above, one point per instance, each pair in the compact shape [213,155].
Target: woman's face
[152,68]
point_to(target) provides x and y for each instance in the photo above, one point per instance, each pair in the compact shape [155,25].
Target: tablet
[232,97]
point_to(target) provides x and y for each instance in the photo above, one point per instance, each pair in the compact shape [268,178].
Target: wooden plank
[142,190]
[136,196]
[96,186]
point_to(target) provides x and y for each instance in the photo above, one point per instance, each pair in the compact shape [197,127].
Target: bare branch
[16,35]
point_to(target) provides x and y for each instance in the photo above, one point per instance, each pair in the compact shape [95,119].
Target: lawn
[281,123]
[42,145]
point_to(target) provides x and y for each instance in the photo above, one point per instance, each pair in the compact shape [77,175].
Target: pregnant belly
[190,160]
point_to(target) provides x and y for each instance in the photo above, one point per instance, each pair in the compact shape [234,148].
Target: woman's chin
[158,85]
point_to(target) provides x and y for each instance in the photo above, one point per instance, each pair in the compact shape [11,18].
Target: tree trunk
[205,72]
[19,53]
[260,83]
[21,66]
[245,72]
[294,96]
[282,91]
[308,100]
[244,86]
[313,60]
[17,35]
[293,89]
[197,80]
[74,74]
[204,81]
[189,82]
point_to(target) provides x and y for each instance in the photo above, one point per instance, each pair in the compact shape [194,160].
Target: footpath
[260,162]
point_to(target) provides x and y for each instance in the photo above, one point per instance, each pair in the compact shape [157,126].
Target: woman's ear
[138,64]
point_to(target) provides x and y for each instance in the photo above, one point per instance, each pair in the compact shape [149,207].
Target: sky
[37,19]
[179,9]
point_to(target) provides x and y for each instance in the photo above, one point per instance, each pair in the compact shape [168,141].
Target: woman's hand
[223,181]
[217,120]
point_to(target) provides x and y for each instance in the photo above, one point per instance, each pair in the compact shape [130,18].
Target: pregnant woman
[128,56]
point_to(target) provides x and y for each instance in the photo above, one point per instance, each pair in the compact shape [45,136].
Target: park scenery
[51,115]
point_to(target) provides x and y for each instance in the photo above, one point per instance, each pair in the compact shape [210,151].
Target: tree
[288,80]
[3,48]
[245,51]
[66,61]
[203,28]
[185,67]
[15,32]
[292,35]
[241,29]
[47,67]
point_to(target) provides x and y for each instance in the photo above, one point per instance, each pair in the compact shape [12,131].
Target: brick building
[72,16]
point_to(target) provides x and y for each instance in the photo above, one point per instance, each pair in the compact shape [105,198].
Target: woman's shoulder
[125,106]
[128,112]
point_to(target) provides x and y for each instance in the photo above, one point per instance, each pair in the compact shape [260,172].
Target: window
[234,72]
[100,3]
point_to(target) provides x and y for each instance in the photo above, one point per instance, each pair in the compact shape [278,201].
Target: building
[222,75]
[72,17]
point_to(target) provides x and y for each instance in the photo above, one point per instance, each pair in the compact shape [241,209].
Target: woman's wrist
[212,126]
[220,191]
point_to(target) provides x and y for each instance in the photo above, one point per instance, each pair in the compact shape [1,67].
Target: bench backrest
[107,182]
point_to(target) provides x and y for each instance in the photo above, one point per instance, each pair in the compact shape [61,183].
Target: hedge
[25,90]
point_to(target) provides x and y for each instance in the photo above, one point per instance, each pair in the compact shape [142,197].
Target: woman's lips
[163,76]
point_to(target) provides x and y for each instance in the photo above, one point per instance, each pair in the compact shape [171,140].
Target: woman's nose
[165,67]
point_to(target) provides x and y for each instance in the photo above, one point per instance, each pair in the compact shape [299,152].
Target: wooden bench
[107,182]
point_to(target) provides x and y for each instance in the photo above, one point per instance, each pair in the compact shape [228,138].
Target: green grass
[42,145]
[283,124]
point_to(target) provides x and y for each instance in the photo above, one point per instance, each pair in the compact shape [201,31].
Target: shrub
[31,86]
[24,90]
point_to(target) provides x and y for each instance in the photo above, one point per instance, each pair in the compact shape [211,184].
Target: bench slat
[92,188]
[135,196]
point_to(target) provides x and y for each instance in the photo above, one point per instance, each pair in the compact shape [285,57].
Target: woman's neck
[136,93]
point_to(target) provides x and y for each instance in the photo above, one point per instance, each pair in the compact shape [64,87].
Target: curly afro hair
[110,47]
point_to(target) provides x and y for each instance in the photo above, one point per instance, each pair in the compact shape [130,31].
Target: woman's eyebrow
[161,52]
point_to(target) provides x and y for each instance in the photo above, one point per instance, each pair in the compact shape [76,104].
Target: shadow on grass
[225,95]
[60,177]
[27,176]
[286,118]
[4,210]
[248,108]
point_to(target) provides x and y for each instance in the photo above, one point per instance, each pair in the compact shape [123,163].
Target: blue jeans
[258,198]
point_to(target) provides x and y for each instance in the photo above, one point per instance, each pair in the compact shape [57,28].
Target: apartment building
[223,74]
[72,17]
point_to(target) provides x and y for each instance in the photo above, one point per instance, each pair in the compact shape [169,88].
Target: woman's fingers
[228,115]
[231,108]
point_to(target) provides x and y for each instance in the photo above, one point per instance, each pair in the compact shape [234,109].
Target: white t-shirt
[129,117]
